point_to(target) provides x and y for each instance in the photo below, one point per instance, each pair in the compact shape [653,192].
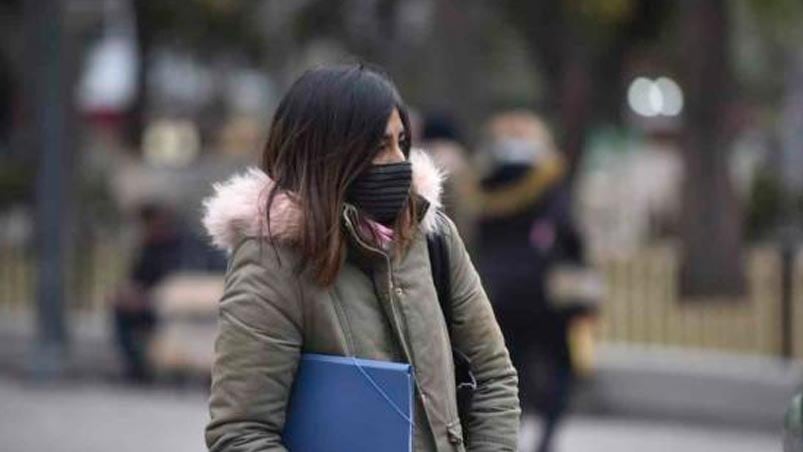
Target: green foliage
[319,18]
[95,201]
[202,25]
[765,205]
[778,14]
[603,12]
[765,34]
[16,182]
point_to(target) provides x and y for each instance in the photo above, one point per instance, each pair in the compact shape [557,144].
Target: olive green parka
[379,308]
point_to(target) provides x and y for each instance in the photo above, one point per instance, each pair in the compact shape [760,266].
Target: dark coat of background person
[134,315]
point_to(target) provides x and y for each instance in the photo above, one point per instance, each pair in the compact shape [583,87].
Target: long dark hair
[325,132]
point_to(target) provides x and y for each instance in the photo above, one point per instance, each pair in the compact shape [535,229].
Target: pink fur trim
[427,182]
[236,208]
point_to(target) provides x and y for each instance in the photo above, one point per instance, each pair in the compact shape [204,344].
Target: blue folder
[345,404]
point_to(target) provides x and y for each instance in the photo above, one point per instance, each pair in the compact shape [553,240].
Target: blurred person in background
[441,139]
[525,231]
[134,313]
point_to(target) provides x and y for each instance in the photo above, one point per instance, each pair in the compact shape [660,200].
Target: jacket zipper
[391,285]
[453,437]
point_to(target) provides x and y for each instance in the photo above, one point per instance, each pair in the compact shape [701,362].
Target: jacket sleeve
[493,422]
[256,353]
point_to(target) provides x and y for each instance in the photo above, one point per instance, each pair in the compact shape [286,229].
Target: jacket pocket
[454,432]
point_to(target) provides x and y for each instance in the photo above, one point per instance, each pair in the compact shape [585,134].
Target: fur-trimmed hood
[236,209]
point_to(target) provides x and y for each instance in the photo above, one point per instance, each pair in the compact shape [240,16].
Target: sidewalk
[90,356]
[97,417]
[702,388]
[705,387]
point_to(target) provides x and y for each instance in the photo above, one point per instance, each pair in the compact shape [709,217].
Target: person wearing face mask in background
[532,263]
[442,141]
[329,255]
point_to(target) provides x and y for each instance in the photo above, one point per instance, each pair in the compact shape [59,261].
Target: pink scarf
[382,232]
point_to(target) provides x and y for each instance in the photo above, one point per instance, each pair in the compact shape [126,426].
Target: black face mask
[382,191]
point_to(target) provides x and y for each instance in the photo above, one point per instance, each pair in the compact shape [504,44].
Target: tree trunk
[711,229]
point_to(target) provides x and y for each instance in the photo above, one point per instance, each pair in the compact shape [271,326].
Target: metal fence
[94,270]
[642,305]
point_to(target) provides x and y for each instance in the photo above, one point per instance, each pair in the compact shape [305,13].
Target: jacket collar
[236,209]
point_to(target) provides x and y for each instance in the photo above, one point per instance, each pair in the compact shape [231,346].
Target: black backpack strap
[465,382]
[439,262]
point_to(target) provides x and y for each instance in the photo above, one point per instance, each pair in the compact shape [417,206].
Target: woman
[329,255]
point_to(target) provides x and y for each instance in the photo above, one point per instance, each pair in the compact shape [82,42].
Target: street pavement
[95,416]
